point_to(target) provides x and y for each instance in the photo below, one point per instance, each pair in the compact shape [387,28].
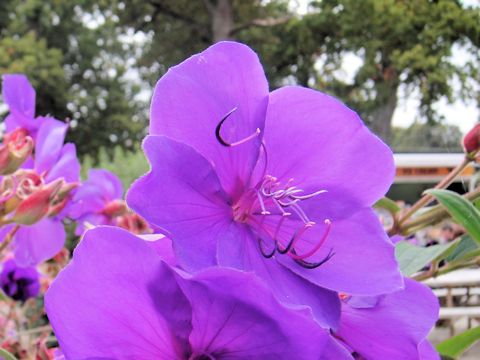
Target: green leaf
[413,258]
[465,247]
[461,210]
[457,345]
[5,355]
[387,204]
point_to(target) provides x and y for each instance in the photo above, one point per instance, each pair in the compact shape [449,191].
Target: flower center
[270,199]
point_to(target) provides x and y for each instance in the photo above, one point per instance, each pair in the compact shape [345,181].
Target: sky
[458,113]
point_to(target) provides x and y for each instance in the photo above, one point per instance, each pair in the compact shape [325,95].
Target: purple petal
[90,219]
[67,166]
[110,283]
[11,123]
[192,98]
[19,95]
[182,195]
[236,316]
[4,230]
[20,283]
[323,145]
[426,351]
[395,327]
[335,350]
[107,182]
[39,242]
[237,248]
[87,199]
[49,143]
[354,242]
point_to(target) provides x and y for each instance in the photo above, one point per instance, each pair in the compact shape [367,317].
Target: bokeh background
[409,67]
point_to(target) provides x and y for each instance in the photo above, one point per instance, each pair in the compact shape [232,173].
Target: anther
[316,247]
[227,144]
[266,255]
[314,265]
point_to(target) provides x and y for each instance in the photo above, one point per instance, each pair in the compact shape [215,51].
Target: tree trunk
[381,117]
[222,20]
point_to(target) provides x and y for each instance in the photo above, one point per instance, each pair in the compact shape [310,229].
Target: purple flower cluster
[35,194]
[40,182]
[272,249]
[99,201]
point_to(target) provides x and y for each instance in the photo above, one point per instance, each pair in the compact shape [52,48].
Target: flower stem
[432,216]
[8,238]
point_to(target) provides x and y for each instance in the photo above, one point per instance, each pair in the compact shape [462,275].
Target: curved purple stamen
[227,144]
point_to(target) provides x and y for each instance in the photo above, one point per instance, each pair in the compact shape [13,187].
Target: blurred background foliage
[95,62]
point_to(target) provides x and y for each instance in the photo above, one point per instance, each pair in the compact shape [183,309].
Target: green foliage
[174,33]
[128,166]
[387,204]
[412,259]
[461,211]
[467,248]
[457,345]
[5,355]
[400,42]
[76,60]
[425,137]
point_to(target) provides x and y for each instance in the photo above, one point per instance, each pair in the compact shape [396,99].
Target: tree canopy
[92,62]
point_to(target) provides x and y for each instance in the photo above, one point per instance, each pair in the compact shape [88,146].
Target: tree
[407,42]
[176,29]
[77,62]
[425,137]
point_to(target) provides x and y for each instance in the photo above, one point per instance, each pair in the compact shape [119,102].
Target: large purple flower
[393,326]
[19,95]
[19,283]
[280,183]
[129,304]
[53,160]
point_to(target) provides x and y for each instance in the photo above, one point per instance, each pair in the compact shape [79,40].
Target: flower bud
[37,205]
[115,208]
[16,148]
[133,223]
[62,198]
[17,187]
[471,141]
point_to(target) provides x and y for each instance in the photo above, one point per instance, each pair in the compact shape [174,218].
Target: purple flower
[393,326]
[19,95]
[97,200]
[130,304]
[19,283]
[281,184]
[53,161]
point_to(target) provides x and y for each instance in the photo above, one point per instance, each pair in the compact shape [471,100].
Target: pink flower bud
[115,208]
[133,223]
[16,148]
[37,205]
[62,198]
[471,141]
[17,187]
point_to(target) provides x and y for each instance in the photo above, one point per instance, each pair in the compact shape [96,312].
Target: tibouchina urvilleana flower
[392,326]
[130,304]
[278,183]
[35,196]
[99,201]
[19,95]
[19,283]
